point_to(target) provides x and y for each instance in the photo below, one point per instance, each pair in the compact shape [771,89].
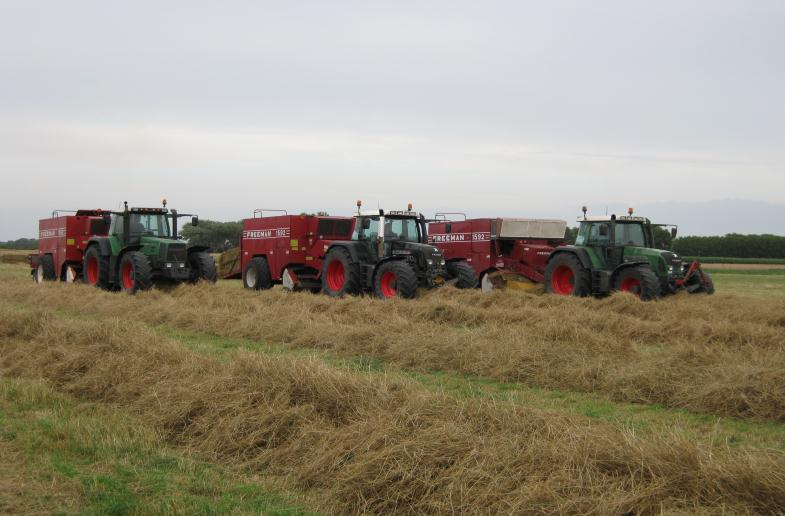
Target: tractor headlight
[430,262]
[443,262]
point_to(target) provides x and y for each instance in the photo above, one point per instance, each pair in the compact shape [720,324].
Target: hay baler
[500,252]
[62,240]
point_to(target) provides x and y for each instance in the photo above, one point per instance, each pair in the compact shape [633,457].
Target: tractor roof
[608,218]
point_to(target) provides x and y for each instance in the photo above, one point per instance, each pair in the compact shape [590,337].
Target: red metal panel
[473,240]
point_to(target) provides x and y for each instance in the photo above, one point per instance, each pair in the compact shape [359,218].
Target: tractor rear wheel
[135,272]
[566,276]
[95,268]
[202,267]
[640,281]
[340,275]
[45,271]
[395,278]
[464,273]
[256,275]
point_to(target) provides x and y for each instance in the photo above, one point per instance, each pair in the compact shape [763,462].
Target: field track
[383,441]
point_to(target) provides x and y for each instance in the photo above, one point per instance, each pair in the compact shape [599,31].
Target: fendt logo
[51,233]
[449,238]
[261,234]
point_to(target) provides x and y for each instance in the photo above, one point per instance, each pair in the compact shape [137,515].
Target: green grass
[749,284]
[103,461]
[747,272]
[719,259]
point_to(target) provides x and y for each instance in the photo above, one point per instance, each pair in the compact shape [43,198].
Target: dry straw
[360,442]
[722,355]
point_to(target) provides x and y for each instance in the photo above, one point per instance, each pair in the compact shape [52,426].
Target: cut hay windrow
[361,442]
[720,355]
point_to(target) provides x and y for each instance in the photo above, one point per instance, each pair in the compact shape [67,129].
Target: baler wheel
[340,275]
[95,268]
[135,272]
[566,276]
[464,273]
[45,270]
[639,281]
[202,267]
[395,278]
[257,274]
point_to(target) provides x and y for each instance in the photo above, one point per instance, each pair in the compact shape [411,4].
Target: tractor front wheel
[340,275]
[45,271]
[202,267]
[95,268]
[566,276]
[463,274]
[257,274]
[135,272]
[395,278]
[640,281]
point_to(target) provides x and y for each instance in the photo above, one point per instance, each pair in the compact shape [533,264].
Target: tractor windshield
[630,234]
[142,224]
[402,229]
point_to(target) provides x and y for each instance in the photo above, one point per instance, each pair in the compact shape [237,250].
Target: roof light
[630,211]
[409,206]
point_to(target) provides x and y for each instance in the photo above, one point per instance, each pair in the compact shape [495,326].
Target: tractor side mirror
[366,223]
[194,221]
[448,228]
[673,232]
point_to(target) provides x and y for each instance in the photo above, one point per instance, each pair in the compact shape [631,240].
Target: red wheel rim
[388,284]
[127,273]
[336,275]
[631,285]
[92,270]
[563,280]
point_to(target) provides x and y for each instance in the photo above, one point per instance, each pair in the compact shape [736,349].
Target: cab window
[630,234]
[594,233]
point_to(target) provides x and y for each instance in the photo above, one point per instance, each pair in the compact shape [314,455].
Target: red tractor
[62,240]
[496,252]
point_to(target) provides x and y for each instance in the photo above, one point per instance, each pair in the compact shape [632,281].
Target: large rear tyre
[395,279]
[639,281]
[135,272]
[95,268]
[45,271]
[463,273]
[202,267]
[256,275]
[340,275]
[566,276]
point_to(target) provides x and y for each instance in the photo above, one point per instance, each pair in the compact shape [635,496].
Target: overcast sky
[493,108]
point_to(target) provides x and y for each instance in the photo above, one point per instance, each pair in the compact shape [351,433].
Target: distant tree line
[20,243]
[732,245]
[218,236]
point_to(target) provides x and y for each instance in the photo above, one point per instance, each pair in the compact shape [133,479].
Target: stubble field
[209,398]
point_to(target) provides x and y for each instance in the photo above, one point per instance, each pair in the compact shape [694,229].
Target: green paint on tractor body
[618,253]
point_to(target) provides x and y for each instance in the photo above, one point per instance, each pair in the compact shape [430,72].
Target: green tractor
[618,254]
[143,247]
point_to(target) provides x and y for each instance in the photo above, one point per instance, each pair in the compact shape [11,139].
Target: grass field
[213,399]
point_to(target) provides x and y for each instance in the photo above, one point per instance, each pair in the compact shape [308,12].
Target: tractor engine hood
[430,255]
